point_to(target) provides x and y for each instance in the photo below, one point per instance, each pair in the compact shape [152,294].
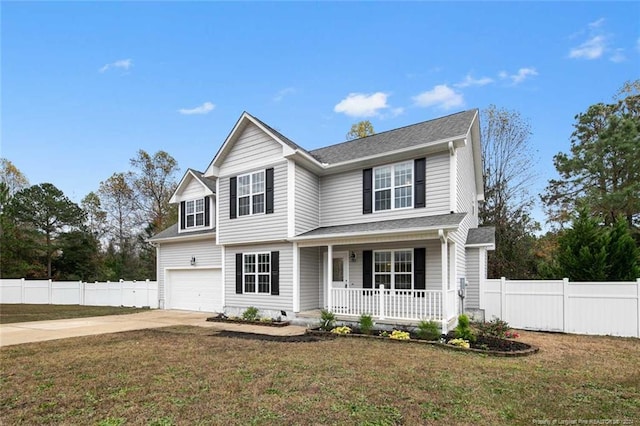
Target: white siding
[252,149]
[192,191]
[465,183]
[310,278]
[284,301]
[307,200]
[260,227]
[472,299]
[341,196]
[179,254]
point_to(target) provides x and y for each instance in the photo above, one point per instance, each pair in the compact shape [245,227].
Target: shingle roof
[172,232]
[485,235]
[428,131]
[443,220]
[282,137]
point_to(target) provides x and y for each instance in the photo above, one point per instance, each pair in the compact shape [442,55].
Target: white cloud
[282,93]
[123,64]
[590,49]
[520,76]
[362,105]
[618,56]
[470,81]
[596,24]
[441,96]
[205,108]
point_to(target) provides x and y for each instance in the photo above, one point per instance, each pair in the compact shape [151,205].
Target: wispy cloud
[205,108]
[618,56]
[362,104]
[282,93]
[123,64]
[441,96]
[520,76]
[470,81]
[593,48]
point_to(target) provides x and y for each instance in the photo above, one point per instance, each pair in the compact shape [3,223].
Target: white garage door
[194,290]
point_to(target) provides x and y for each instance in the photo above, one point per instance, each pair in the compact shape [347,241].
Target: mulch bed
[303,338]
[224,318]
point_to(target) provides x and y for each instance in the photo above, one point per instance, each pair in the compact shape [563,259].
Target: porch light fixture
[352,256]
[193,261]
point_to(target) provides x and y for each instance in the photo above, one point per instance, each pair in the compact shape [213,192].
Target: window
[194,213]
[251,193]
[256,272]
[393,269]
[393,186]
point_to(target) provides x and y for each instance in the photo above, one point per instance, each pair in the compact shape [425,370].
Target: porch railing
[384,303]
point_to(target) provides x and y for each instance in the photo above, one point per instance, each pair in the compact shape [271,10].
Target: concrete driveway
[38,331]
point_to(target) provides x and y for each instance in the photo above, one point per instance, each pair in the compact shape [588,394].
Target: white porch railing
[384,303]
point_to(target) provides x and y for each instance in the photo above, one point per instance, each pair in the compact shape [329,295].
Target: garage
[194,289]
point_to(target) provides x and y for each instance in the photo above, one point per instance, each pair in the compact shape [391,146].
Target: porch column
[444,250]
[296,278]
[329,276]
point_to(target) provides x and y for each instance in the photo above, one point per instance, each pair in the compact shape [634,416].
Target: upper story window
[194,213]
[251,193]
[393,186]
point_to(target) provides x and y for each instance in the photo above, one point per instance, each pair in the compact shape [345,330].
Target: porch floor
[311,318]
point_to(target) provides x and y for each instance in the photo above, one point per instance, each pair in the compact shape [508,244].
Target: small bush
[365,323]
[251,314]
[399,335]
[429,330]
[494,328]
[344,330]
[461,343]
[463,330]
[327,320]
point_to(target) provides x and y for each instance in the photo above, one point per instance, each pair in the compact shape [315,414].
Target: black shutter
[183,211]
[275,273]
[419,171]
[207,211]
[367,184]
[239,267]
[419,273]
[233,186]
[269,191]
[367,269]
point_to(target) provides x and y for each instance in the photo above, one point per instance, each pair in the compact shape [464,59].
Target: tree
[48,211]
[79,257]
[602,171]
[11,178]
[623,256]
[96,217]
[507,159]
[360,130]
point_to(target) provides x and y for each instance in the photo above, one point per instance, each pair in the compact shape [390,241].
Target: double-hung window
[194,213]
[393,269]
[256,272]
[251,193]
[393,186]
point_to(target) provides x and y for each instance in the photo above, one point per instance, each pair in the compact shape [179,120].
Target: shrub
[344,330]
[428,330]
[399,335]
[494,328]
[461,343]
[366,324]
[463,330]
[327,320]
[251,314]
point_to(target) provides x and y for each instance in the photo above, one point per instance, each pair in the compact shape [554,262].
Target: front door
[340,268]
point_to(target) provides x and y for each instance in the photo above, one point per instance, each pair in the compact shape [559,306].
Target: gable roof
[208,183]
[485,236]
[445,128]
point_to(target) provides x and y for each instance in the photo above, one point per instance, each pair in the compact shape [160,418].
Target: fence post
[121,292]
[503,298]
[381,301]
[22,290]
[638,305]
[565,305]
[50,289]
[148,304]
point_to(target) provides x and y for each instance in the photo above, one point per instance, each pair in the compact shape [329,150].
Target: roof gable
[208,185]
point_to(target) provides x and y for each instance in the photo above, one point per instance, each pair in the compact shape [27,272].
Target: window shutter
[207,211]
[367,184]
[367,269]
[419,274]
[275,273]
[269,191]
[419,171]
[239,267]
[183,213]
[233,188]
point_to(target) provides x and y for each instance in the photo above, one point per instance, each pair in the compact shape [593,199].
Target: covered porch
[403,272]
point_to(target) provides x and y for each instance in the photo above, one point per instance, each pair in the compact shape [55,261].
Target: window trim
[393,187]
[393,273]
[256,274]
[195,213]
[252,194]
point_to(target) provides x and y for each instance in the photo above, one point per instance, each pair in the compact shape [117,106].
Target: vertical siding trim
[291,198]
[453,180]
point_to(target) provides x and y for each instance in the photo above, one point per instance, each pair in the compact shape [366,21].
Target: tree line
[43,234]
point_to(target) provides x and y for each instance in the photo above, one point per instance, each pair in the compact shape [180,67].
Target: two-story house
[385,225]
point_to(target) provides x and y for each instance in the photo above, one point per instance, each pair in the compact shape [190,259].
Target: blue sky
[84,85]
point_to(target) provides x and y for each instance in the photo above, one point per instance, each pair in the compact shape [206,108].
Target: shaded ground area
[270,338]
[13,313]
[186,375]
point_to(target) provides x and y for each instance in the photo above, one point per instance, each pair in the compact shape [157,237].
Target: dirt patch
[303,338]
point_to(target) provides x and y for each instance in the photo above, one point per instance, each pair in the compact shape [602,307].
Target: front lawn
[186,375]
[12,313]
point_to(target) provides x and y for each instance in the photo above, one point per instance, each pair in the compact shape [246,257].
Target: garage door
[194,290]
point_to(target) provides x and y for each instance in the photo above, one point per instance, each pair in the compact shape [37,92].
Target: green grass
[186,375]
[12,313]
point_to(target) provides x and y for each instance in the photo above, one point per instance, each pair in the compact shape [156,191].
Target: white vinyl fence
[119,293]
[605,308]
